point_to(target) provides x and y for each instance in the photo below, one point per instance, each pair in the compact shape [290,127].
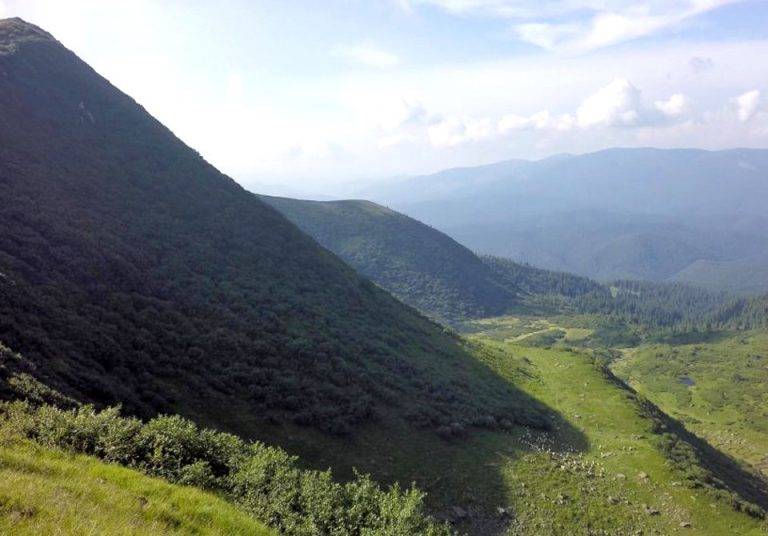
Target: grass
[717,387]
[601,469]
[45,491]
[585,476]
[600,487]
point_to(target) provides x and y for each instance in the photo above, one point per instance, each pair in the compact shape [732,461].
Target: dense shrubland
[418,264]
[265,481]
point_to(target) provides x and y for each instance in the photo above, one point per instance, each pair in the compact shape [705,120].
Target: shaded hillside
[132,271]
[420,265]
[424,267]
[687,215]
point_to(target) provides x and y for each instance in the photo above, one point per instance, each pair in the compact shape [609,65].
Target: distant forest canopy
[133,272]
[418,264]
[429,270]
[667,306]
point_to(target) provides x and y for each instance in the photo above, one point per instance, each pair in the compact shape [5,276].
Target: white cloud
[746,105]
[617,104]
[676,106]
[581,25]
[367,54]
[455,131]
[543,120]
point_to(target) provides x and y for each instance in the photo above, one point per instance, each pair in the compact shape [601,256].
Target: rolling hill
[420,265]
[46,491]
[427,269]
[685,215]
[133,272]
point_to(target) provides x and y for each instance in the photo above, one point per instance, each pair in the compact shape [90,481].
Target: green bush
[265,481]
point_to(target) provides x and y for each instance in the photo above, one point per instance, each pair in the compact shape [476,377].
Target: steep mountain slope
[619,213]
[132,271]
[421,266]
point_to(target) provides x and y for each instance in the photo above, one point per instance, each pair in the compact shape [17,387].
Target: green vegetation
[263,481]
[427,269]
[611,462]
[418,264]
[133,272]
[46,491]
[629,465]
[715,385]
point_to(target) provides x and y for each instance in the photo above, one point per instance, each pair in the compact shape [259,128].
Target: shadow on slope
[464,470]
[701,464]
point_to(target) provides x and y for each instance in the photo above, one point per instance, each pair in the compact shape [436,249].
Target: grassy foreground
[46,491]
[718,386]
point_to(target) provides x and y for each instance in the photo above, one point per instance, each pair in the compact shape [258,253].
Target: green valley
[715,384]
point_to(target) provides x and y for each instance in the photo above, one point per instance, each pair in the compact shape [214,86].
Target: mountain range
[661,215]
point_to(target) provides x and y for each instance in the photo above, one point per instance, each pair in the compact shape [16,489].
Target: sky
[324,96]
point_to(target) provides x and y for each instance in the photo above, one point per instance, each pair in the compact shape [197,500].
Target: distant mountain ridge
[618,213]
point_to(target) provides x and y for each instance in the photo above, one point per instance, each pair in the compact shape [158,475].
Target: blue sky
[297,96]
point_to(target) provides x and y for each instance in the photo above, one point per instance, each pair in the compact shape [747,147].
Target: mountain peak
[15,30]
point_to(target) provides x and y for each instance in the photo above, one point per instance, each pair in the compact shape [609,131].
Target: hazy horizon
[296,100]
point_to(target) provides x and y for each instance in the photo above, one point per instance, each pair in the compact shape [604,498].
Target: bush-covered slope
[132,271]
[263,481]
[420,265]
[427,269]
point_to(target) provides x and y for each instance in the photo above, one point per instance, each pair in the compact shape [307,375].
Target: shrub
[265,481]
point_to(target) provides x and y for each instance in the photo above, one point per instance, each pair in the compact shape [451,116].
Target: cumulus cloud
[581,25]
[367,54]
[617,104]
[747,104]
[677,105]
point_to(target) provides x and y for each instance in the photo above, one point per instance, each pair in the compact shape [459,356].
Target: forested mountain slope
[427,269]
[686,215]
[133,272]
[420,265]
